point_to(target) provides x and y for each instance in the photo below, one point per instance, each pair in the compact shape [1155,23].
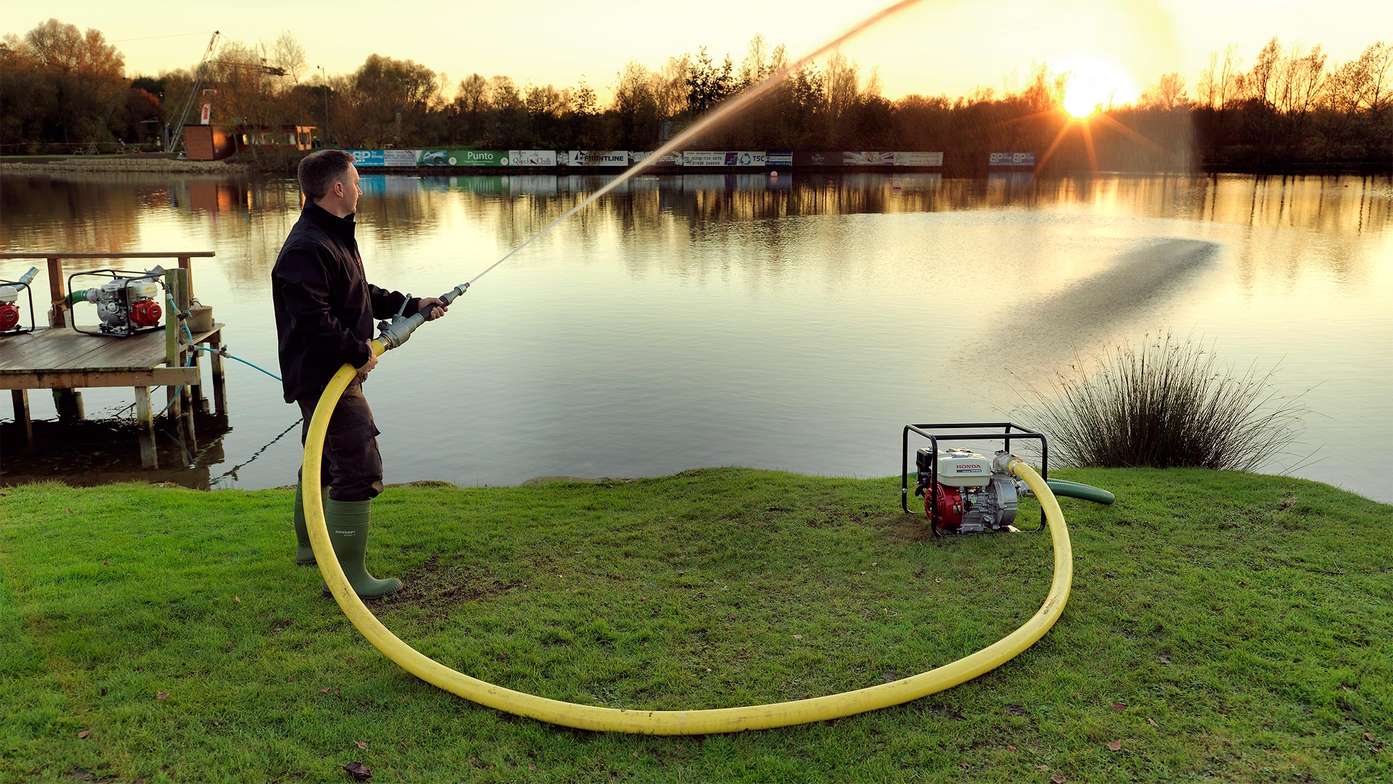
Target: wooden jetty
[62,360]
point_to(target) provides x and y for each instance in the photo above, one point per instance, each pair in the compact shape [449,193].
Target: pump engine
[126,304]
[9,304]
[965,492]
[9,308]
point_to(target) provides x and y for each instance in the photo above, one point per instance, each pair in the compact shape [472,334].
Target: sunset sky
[936,47]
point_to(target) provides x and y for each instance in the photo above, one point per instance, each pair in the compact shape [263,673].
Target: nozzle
[396,332]
[28,276]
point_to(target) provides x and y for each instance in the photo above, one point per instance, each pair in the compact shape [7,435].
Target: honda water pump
[10,310]
[966,492]
[128,303]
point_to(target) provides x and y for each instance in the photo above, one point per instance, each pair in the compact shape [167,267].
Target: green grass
[1242,624]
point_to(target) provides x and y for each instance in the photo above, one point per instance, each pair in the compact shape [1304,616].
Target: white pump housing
[963,468]
[8,294]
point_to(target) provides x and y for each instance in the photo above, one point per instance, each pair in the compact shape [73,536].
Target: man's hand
[367,368]
[432,307]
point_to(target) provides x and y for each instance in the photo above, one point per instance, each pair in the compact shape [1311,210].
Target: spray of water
[710,120]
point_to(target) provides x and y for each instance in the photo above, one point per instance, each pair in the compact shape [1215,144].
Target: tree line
[63,89]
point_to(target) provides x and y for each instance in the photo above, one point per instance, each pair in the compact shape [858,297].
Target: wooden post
[171,320]
[20,398]
[219,380]
[149,456]
[187,267]
[200,402]
[68,402]
[58,299]
[182,297]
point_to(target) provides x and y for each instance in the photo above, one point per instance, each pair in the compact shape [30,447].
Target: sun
[1092,85]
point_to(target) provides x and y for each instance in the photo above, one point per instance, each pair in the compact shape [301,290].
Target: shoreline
[161,165]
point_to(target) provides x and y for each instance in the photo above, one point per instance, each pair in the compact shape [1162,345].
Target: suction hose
[1081,491]
[667,722]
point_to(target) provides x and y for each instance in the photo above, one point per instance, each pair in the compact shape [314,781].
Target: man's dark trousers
[351,465]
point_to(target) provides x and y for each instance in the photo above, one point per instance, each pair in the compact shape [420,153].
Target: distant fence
[427,158]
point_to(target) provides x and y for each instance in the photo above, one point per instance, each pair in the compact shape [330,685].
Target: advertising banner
[461,157]
[817,159]
[779,158]
[918,158]
[868,159]
[703,158]
[532,157]
[400,158]
[366,158]
[597,158]
[1011,159]
[666,159]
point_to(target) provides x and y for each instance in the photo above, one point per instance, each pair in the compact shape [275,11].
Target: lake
[794,322]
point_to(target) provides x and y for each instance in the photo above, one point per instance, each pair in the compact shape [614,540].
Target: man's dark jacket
[324,305]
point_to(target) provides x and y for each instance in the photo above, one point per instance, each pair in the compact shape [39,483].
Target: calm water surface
[791,323]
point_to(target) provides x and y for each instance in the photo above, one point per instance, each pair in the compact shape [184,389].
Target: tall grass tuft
[1165,404]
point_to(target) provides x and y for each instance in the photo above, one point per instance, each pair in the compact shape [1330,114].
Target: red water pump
[9,312]
[9,304]
[972,493]
[964,491]
[127,303]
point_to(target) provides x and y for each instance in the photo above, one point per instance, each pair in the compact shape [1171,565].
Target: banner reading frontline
[595,158]
[461,157]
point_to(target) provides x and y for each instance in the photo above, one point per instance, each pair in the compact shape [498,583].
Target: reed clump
[1165,404]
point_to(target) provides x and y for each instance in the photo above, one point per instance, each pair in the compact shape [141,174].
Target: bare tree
[1260,82]
[288,55]
[1168,94]
[1209,87]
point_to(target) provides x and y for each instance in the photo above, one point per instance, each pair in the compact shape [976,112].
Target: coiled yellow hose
[677,722]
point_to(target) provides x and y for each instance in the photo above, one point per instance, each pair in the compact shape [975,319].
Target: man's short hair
[319,169]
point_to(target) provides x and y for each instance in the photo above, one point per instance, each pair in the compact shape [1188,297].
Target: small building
[216,142]
[208,142]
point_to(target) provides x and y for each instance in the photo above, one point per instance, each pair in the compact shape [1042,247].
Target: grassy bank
[1222,627]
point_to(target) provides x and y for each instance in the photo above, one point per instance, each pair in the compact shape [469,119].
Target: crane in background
[173,133]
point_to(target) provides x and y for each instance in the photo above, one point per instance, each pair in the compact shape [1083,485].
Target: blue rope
[253,365]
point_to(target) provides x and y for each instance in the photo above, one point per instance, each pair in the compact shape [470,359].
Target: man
[324,318]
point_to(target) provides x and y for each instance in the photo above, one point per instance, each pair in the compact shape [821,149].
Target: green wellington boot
[304,554]
[348,530]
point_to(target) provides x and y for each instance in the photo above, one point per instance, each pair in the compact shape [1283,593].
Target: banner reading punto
[463,157]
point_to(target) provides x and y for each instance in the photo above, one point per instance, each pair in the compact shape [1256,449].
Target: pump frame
[128,277]
[1010,431]
[28,292]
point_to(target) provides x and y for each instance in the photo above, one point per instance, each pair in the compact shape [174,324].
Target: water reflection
[705,319]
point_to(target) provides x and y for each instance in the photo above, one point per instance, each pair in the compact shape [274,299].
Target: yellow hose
[676,722]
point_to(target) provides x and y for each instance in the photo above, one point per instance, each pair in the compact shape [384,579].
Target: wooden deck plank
[51,350]
[79,379]
[64,254]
